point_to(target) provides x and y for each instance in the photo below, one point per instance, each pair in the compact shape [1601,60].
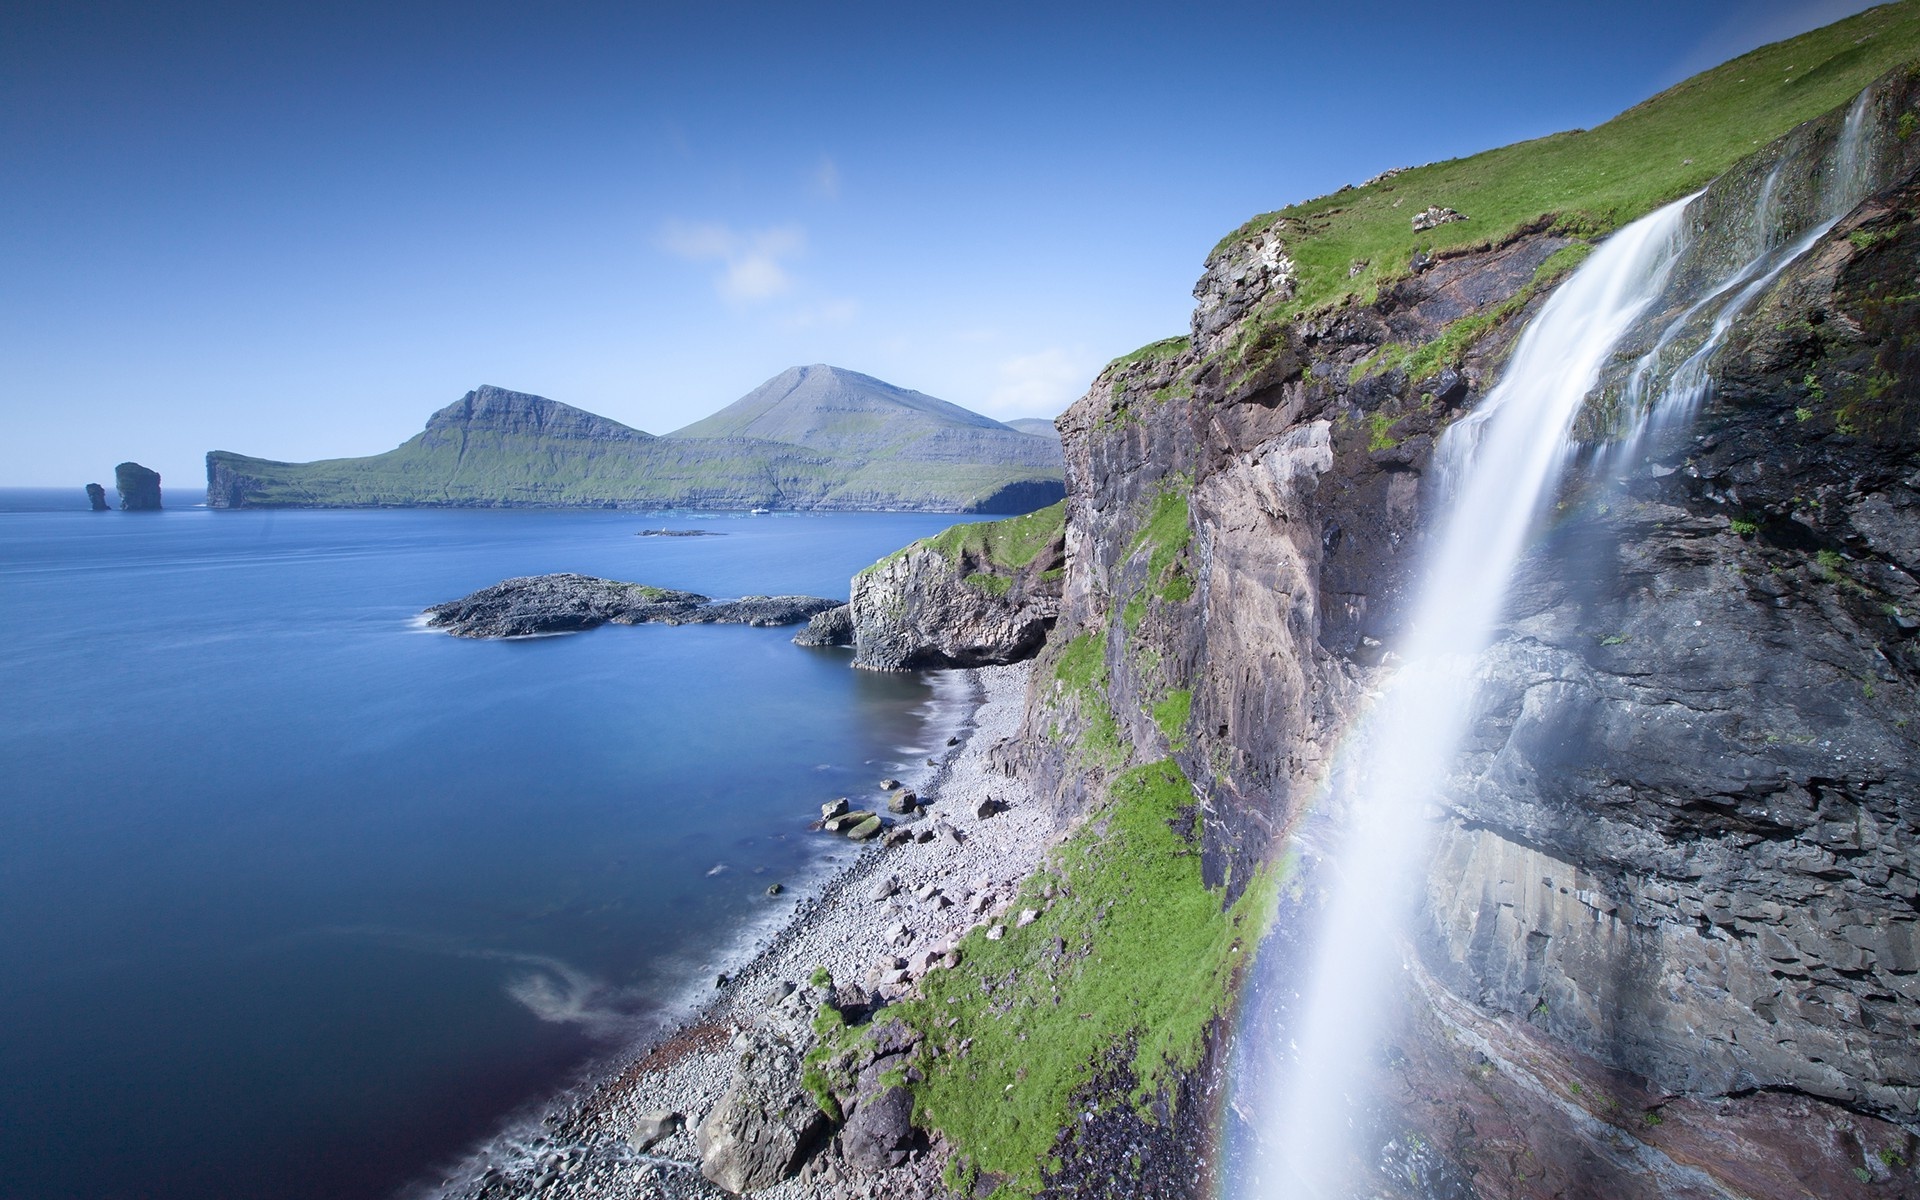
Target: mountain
[1037,426]
[812,437]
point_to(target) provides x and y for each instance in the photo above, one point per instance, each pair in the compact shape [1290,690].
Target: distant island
[814,437]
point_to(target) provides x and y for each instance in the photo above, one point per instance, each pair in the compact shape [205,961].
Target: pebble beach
[878,923]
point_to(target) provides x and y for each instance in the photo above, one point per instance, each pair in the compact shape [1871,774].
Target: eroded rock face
[565,603]
[139,487]
[1239,276]
[923,609]
[96,497]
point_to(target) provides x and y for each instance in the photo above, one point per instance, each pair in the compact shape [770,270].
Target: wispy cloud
[823,314]
[1040,384]
[752,270]
[826,179]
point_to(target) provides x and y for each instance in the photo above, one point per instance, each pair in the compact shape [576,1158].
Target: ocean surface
[299,899]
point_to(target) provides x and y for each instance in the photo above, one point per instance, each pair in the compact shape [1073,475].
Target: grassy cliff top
[1589,181]
[1009,544]
[1001,547]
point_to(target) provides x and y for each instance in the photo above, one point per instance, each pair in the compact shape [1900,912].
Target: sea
[299,898]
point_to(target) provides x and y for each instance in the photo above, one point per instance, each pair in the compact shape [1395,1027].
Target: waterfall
[1495,466]
[1494,469]
[1662,395]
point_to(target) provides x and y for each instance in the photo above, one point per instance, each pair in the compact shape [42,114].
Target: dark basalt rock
[833,627]
[566,603]
[139,487]
[97,497]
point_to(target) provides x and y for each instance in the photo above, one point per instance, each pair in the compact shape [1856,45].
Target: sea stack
[138,486]
[97,497]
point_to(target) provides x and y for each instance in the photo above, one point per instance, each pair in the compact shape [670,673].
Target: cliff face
[139,487]
[975,595]
[1669,942]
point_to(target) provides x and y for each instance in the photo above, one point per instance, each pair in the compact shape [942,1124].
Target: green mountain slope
[495,447]
[1587,181]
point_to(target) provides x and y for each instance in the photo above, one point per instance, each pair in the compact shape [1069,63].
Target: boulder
[901,801]
[139,487]
[833,808]
[866,829]
[1433,217]
[97,497]
[879,1133]
[650,1129]
[764,1126]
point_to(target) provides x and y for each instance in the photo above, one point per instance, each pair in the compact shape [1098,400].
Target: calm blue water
[298,899]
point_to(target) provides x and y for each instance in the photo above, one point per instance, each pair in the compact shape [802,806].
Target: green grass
[1082,668]
[1082,665]
[1171,716]
[1008,545]
[1430,358]
[1165,348]
[1168,529]
[992,585]
[1002,547]
[1594,181]
[1043,1023]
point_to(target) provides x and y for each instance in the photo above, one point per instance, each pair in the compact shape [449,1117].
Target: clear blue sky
[294,231]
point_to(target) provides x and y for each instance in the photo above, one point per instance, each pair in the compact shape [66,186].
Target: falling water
[1495,468]
[1660,394]
[1496,465]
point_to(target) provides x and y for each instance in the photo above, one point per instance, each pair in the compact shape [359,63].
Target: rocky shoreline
[533,605]
[875,926]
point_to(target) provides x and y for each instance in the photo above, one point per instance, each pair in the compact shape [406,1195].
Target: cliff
[499,448]
[972,596]
[1667,943]
[139,487]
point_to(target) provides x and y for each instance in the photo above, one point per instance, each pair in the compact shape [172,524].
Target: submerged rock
[97,497]
[139,487]
[564,603]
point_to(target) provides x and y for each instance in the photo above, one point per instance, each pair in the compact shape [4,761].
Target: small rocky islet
[530,605]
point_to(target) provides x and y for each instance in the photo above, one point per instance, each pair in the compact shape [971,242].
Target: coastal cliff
[975,595]
[1667,941]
